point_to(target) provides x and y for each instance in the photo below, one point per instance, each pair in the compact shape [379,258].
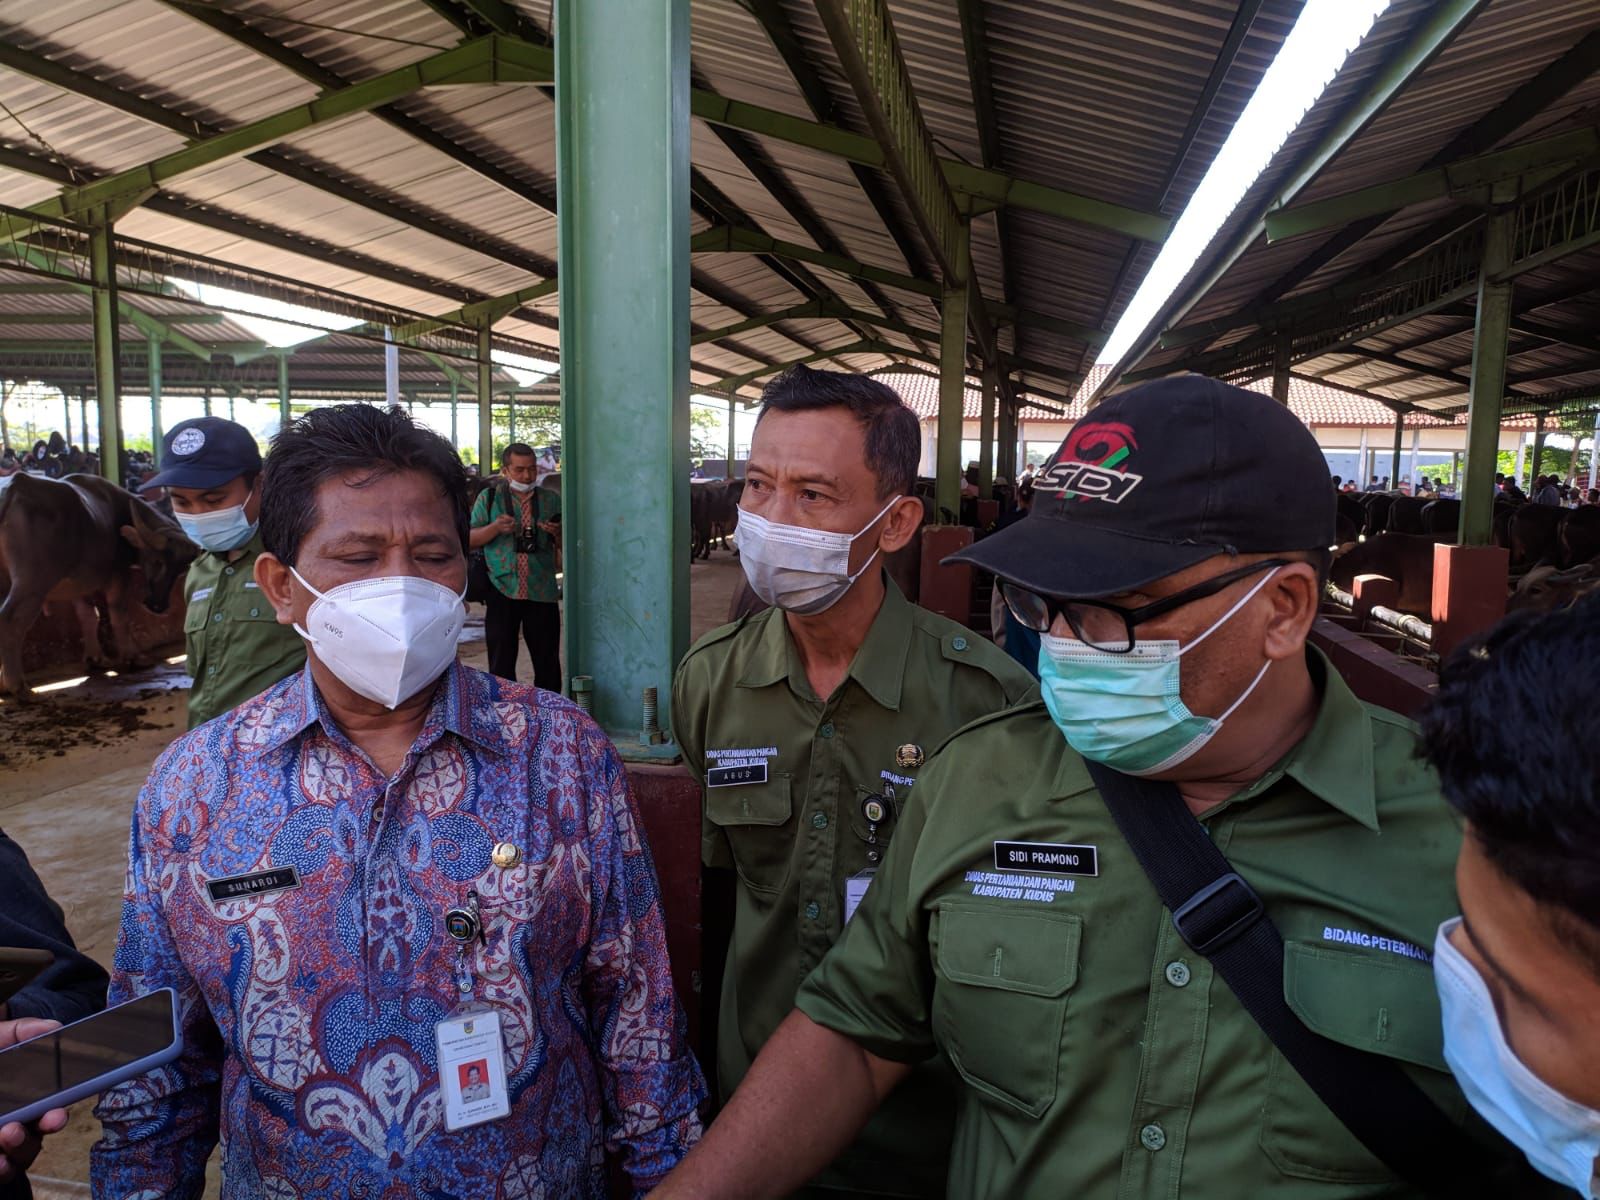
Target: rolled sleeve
[158,1129]
[653,1085]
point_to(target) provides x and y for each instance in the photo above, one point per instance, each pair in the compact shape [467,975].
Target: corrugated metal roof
[1100,99]
[1451,108]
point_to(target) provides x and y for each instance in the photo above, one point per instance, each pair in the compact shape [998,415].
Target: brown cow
[78,540]
[1406,558]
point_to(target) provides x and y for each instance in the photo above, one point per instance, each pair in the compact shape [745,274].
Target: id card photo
[472,1069]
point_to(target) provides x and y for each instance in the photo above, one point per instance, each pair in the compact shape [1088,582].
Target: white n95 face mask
[800,570]
[1560,1136]
[385,639]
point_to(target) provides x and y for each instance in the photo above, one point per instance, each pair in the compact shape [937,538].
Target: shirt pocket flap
[1373,1004]
[767,803]
[1033,954]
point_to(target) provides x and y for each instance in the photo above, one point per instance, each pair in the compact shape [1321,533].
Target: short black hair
[521,448]
[330,442]
[1521,762]
[893,437]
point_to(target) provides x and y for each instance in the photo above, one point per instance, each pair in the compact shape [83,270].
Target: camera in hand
[527,539]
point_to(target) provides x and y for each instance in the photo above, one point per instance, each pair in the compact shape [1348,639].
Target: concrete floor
[71,764]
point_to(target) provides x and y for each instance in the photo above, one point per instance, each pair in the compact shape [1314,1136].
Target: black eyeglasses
[1110,627]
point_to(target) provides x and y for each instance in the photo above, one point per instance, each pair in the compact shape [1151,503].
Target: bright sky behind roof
[1310,56]
[295,323]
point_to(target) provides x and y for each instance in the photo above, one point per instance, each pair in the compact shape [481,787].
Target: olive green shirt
[785,806]
[235,646]
[1103,1059]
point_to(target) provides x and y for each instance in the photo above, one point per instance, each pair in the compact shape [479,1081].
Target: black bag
[1221,917]
[479,586]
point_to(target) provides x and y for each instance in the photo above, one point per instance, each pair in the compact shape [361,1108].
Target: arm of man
[71,987]
[158,1129]
[652,1084]
[484,530]
[806,1097]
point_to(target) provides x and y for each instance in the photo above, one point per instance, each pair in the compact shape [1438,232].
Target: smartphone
[78,1060]
[19,966]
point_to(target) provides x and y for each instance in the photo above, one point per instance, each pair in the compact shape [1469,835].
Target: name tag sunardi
[1046,858]
[255,883]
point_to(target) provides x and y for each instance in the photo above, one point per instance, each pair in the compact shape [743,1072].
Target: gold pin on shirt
[505,855]
[908,756]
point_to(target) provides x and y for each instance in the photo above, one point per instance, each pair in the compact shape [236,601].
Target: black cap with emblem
[1158,478]
[205,452]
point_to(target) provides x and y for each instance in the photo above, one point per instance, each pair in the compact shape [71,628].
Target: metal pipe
[952,395]
[991,384]
[153,349]
[107,348]
[1488,387]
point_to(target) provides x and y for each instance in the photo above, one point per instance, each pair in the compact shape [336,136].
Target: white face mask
[1560,1137]
[385,639]
[520,488]
[799,570]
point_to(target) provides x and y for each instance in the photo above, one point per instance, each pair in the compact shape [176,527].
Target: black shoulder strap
[1220,916]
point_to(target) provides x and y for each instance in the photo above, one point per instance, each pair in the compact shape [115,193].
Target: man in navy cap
[236,647]
[1118,1037]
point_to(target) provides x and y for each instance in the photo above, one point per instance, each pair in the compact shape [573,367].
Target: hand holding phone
[51,1068]
[20,1144]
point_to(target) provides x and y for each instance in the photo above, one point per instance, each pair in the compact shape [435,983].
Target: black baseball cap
[1158,478]
[204,453]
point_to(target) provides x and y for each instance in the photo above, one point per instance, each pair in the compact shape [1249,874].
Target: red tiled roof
[1312,402]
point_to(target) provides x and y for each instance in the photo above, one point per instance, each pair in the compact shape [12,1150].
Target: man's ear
[275,582]
[1293,594]
[905,518]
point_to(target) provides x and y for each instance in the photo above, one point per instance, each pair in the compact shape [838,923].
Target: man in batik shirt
[345,873]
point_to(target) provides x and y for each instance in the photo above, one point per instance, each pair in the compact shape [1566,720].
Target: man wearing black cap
[236,648]
[1172,561]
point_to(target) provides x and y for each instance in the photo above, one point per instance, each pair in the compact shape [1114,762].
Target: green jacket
[235,646]
[789,777]
[1104,1060]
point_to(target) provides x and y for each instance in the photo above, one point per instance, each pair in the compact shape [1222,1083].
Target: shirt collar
[464,706]
[1334,761]
[879,665]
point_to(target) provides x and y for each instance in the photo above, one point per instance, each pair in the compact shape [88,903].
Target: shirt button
[819,820]
[1152,1136]
[211,670]
[377,811]
[827,730]
[1178,973]
[255,612]
[216,619]
[958,643]
[227,570]
[813,911]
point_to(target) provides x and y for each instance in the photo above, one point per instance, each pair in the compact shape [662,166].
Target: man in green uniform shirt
[809,724]
[235,646]
[1172,560]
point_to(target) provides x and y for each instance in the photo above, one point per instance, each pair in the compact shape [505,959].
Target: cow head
[1544,588]
[164,554]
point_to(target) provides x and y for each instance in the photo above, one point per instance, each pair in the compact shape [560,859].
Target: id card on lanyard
[471,1045]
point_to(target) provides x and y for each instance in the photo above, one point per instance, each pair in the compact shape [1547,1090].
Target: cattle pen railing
[1409,636]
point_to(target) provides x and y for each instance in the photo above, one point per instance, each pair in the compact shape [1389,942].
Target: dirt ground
[71,764]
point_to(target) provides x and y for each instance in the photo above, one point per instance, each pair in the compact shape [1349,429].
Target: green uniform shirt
[500,553]
[797,830]
[236,647]
[1105,1060]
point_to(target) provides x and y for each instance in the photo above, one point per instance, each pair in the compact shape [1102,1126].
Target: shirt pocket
[198,612]
[1375,1005]
[758,819]
[1000,999]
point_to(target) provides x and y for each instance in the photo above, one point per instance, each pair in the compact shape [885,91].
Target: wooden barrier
[1373,672]
[946,590]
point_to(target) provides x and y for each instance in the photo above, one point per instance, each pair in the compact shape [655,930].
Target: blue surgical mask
[219,531]
[1126,710]
[1560,1137]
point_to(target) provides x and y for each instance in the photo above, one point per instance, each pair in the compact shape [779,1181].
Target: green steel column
[1538,452]
[622,208]
[511,416]
[952,394]
[83,417]
[233,409]
[991,384]
[1394,462]
[485,402]
[1006,466]
[1488,386]
[455,436]
[1281,353]
[732,446]
[66,412]
[107,349]
[153,349]
[284,416]
[205,401]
